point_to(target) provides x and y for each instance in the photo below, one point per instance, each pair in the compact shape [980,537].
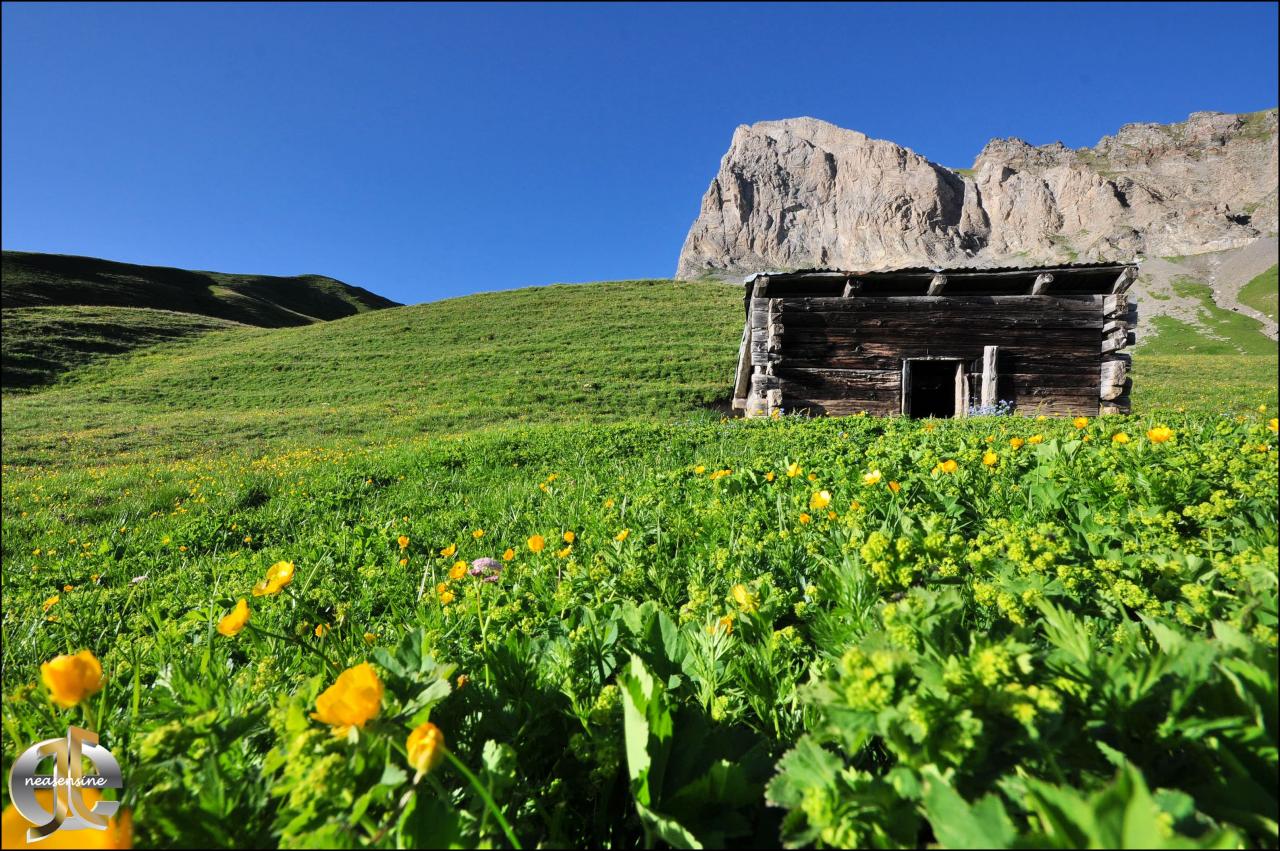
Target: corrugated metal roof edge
[954,270]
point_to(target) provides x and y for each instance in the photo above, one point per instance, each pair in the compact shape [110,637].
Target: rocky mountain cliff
[804,193]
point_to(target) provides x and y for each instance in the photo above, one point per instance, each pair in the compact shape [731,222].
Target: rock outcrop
[804,193]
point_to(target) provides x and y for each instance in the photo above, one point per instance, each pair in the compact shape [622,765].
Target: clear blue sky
[426,151]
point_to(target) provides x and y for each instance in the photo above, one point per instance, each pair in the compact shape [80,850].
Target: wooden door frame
[962,384]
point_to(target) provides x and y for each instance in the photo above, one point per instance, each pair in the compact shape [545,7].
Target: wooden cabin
[937,342]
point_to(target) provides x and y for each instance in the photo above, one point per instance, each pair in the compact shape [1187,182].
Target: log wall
[840,355]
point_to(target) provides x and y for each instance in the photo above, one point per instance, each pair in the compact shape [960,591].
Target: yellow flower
[948,466]
[813,477]
[1273,424]
[831,515]
[354,698]
[570,537]
[425,747]
[608,503]
[622,536]
[442,587]
[770,476]
[1016,442]
[1035,438]
[1159,434]
[1080,422]
[508,554]
[726,623]
[234,622]
[448,551]
[804,518]
[369,638]
[893,486]
[322,629]
[70,679]
[403,562]
[1119,437]
[699,469]
[118,833]
[990,458]
[403,541]
[51,602]
[746,600]
[463,680]
[67,588]
[278,575]
[536,543]
[458,570]
[478,534]
[564,553]
[872,478]
[820,500]
[446,597]
[793,470]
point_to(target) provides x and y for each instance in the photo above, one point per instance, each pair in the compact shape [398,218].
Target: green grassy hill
[63,311]
[1261,293]
[544,354]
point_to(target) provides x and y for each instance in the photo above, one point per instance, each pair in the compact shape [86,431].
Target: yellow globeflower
[746,600]
[1035,438]
[478,534]
[1273,424]
[820,500]
[536,543]
[403,541]
[1159,434]
[570,537]
[893,486]
[278,575]
[1080,422]
[622,536]
[948,466]
[234,622]
[1016,442]
[458,570]
[322,629]
[51,602]
[425,747]
[564,553]
[804,518]
[793,469]
[118,833]
[354,698]
[448,551]
[990,458]
[446,597]
[509,554]
[770,476]
[1119,437]
[872,478]
[70,679]
[700,469]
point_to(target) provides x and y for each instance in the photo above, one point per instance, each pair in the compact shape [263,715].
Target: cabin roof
[1067,278]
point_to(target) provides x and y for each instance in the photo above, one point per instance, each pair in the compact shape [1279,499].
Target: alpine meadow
[640,426]
[372,600]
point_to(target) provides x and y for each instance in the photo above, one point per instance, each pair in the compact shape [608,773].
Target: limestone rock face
[804,193]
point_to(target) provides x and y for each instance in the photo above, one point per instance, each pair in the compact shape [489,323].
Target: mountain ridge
[802,192]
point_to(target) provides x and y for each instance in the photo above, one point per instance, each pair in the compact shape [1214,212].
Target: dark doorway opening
[933,388]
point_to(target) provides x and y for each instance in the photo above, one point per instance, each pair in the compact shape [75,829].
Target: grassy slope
[540,355]
[1261,293]
[40,280]
[546,354]
[61,311]
[41,343]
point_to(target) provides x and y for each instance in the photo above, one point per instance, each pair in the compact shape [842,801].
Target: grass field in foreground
[992,632]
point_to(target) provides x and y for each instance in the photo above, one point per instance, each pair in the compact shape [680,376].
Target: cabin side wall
[844,355]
